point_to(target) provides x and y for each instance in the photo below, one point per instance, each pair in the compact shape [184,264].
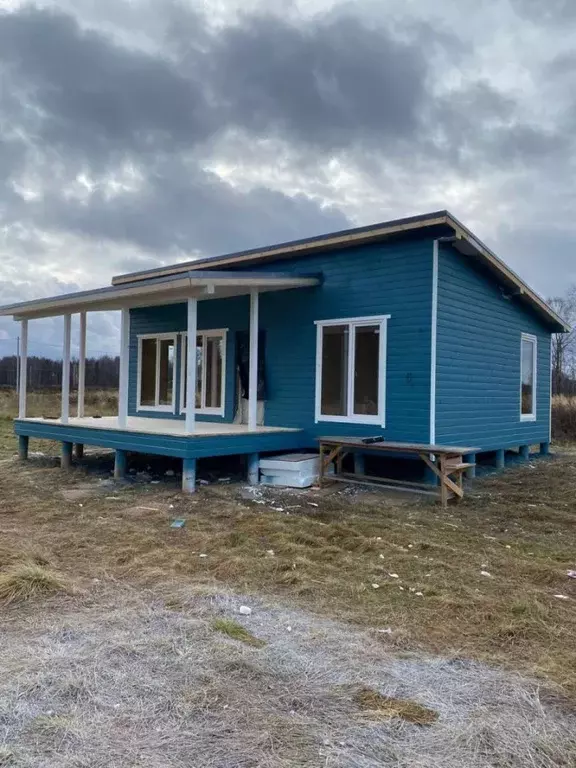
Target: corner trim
[433,342]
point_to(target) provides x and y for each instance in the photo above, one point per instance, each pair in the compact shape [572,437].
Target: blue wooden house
[411,329]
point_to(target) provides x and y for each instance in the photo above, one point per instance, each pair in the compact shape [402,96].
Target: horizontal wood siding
[478,360]
[382,279]
[392,278]
[231,313]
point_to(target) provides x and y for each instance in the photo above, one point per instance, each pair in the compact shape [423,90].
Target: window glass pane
[213,372]
[166,382]
[199,364]
[148,372]
[527,376]
[366,364]
[334,388]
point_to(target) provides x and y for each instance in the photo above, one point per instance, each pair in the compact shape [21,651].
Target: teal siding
[478,361]
[478,344]
[232,314]
[387,279]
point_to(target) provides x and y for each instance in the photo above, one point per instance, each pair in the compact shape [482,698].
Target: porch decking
[163,437]
[159,426]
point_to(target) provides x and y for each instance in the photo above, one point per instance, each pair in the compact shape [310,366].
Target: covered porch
[187,437]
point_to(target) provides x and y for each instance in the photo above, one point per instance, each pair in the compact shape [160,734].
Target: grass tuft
[27,580]
[237,632]
[379,706]
[7,757]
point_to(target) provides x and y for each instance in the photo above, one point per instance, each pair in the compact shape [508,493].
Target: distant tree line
[44,373]
[564,345]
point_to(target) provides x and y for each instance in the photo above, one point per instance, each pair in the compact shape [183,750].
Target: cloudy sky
[140,132]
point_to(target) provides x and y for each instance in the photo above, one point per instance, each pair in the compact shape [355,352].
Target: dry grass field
[383,631]
[103,402]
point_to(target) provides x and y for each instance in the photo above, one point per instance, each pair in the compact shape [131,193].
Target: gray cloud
[80,91]
[546,11]
[183,207]
[87,105]
[329,83]
[111,136]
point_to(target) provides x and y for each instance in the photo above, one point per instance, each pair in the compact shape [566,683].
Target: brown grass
[564,418]
[386,707]
[27,580]
[518,526]
[103,402]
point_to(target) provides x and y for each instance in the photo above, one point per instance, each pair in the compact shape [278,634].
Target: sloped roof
[463,240]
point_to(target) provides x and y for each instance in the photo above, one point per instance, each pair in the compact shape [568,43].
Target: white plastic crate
[291,470]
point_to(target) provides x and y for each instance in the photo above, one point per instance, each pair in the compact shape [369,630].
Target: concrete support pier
[470,458]
[189,475]
[359,464]
[79,451]
[23,447]
[253,468]
[120,464]
[66,460]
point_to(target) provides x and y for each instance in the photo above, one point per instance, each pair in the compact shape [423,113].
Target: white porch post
[190,425]
[253,375]
[124,366]
[23,363]
[65,408]
[82,365]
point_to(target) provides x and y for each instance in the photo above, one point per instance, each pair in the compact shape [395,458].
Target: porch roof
[162,290]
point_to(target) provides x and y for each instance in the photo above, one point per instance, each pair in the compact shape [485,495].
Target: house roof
[463,240]
[170,289]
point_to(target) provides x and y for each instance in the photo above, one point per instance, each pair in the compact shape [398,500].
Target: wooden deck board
[176,427]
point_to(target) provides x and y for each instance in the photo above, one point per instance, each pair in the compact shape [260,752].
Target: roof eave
[344,238]
[500,268]
[163,290]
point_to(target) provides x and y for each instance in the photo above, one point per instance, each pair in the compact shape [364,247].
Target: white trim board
[433,342]
[220,333]
[353,322]
[157,407]
[534,341]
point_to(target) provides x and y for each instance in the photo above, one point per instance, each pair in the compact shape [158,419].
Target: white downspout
[433,341]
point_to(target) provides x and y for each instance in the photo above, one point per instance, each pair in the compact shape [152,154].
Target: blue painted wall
[384,279]
[393,278]
[478,349]
[232,314]
[478,360]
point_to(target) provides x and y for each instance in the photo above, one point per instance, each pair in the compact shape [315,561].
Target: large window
[156,356]
[210,371]
[528,378]
[351,370]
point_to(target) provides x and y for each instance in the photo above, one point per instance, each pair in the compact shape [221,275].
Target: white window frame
[211,332]
[534,341]
[171,408]
[353,323]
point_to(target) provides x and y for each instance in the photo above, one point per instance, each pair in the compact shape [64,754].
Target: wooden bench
[445,461]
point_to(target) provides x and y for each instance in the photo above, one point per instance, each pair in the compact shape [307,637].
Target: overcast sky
[140,132]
